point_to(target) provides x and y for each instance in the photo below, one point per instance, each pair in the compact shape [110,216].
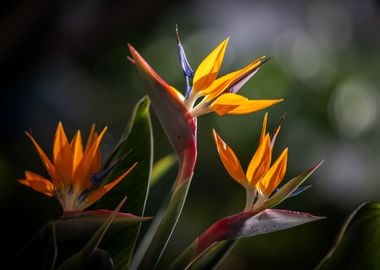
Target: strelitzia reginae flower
[220,94]
[75,171]
[262,177]
[209,93]
[261,181]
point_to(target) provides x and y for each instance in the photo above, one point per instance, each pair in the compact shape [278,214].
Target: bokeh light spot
[353,107]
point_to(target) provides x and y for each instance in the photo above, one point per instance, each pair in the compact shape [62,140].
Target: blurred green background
[66,61]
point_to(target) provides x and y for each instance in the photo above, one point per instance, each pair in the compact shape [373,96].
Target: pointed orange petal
[233,81]
[93,154]
[260,162]
[264,128]
[101,191]
[96,161]
[63,156]
[91,138]
[90,143]
[60,141]
[251,66]
[222,109]
[218,86]
[226,103]
[38,183]
[89,164]
[46,161]
[251,106]
[274,176]
[229,160]
[209,68]
[77,150]
[244,75]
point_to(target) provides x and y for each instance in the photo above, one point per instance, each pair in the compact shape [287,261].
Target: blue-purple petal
[97,178]
[298,190]
[188,72]
[234,88]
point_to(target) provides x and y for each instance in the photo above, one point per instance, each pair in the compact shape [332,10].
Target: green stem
[214,256]
[208,259]
[186,257]
[153,246]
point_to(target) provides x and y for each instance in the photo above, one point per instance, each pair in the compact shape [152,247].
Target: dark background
[66,61]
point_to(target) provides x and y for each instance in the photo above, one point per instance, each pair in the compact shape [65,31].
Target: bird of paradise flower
[75,171]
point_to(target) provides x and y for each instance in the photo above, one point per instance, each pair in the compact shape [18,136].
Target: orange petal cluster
[261,174]
[71,170]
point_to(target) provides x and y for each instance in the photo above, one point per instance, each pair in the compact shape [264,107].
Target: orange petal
[94,152]
[38,183]
[264,128]
[218,86]
[209,68]
[77,150]
[101,191]
[226,103]
[232,81]
[63,156]
[47,163]
[89,164]
[229,160]
[274,176]
[91,137]
[260,162]
[251,106]
[60,141]
[96,161]
[245,107]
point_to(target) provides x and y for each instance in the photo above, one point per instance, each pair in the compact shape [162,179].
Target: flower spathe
[72,170]
[209,93]
[262,177]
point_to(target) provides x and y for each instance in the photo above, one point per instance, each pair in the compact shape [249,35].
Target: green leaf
[136,145]
[40,251]
[81,259]
[155,241]
[358,243]
[161,167]
[101,260]
[75,228]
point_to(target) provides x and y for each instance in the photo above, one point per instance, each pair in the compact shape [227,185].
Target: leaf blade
[161,167]
[80,259]
[136,145]
[357,244]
